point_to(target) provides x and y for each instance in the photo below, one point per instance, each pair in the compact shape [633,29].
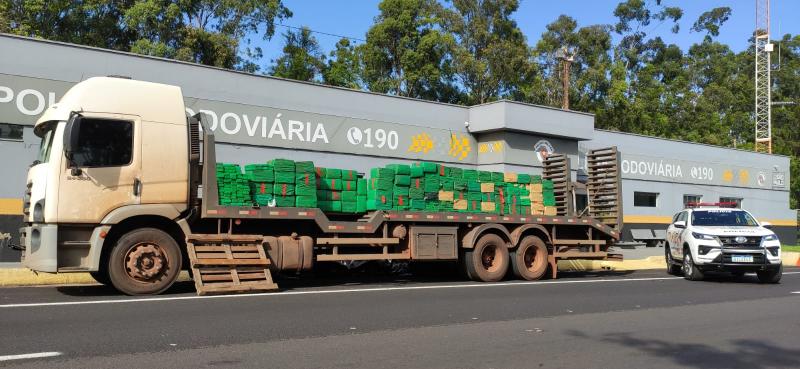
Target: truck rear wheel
[488,260]
[144,261]
[529,260]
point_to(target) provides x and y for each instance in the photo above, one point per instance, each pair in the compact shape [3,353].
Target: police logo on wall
[543,149]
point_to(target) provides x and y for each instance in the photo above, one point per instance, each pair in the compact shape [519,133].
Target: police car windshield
[722,218]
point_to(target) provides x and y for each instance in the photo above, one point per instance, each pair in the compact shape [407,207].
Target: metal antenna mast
[763,109]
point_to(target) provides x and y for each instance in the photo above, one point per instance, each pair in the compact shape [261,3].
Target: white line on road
[35,355]
[349,290]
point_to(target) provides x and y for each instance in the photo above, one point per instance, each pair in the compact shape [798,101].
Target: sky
[354,17]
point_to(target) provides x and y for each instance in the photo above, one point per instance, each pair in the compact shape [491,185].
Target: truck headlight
[771,237]
[700,236]
[38,212]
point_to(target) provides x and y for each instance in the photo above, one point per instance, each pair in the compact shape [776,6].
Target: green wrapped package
[320,172]
[488,197]
[416,172]
[284,201]
[306,185]
[547,184]
[445,206]
[429,167]
[349,196]
[362,187]
[400,202]
[432,205]
[402,180]
[444,171]
[536,179]
[381,183]
[305,201]
[459,184]
[262,200]
[473,186]
[474,196]
[456,172]
[525,201]
[349,207]
[400,169]
[361,204]
[304,167]
[283,165]
[432,184]
[260,172]
[398,190]
[379,200]
[283,189]
[417,204]
[349,185]
[333,173]
[330,184]
[498,177]
[261,188]
[381,173]
[284,177]
[416,193]
[349,175]
[448,184]
[484,176]
[523,178]
[549,202]
[329,195]
[469,174]
[332,206]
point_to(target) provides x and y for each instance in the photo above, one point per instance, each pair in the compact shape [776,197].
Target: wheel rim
[687,265]
[531,259]
[490,259]
[146,262]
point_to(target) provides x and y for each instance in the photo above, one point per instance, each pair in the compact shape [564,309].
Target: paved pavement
[642,319]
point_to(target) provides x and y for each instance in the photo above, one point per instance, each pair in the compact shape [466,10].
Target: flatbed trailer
[415,236]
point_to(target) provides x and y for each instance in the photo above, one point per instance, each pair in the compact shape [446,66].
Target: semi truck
[124,188]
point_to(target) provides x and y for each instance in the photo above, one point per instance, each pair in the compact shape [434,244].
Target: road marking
[350,290]
[35,355]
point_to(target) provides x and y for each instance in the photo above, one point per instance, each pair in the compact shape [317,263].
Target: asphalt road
[623,320]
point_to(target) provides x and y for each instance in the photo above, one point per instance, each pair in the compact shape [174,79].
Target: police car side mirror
[766,225]
[679,224]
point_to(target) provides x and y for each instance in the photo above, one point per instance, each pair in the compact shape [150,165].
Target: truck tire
[673,268]
[101,277]
[488,260]
[770,276]
[529,260]
[144,261]
[690,271]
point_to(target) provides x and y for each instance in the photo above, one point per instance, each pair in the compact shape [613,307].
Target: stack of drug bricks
[542,196]
[261,178]
[233,187]
[341,191]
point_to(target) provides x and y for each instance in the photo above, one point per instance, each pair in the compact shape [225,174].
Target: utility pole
[566,56]
[763,82]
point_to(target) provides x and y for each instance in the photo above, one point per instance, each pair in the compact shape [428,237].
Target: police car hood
[733,231]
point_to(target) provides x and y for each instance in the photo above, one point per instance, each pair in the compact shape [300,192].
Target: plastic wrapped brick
[349,196]
[400,169]
[459,184]
[260,172]
[432,184]
[429,167]
[320,172]
[456,172]
[469,174]
[283,165]
[381,173]
[448,184]
[306,184]
[417,204]
[381,184]
[304,201]
[349,207]
[361,186]
[473,186]
[331,184]
[349,175]
[361,204]
[261,188]
[416,172]
[523,178]
[284,201]
[402,180]
[304,167]
[401,202]
[399,190]
[444,171]
[333,173]
[497,177]
[349,185]
[484,176]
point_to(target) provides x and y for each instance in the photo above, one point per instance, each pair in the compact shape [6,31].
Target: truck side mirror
[680,224]
[71,133]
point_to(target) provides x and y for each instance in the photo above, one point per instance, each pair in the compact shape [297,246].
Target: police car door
[674,235]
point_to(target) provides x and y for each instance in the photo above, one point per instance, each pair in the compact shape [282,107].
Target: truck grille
[730,241]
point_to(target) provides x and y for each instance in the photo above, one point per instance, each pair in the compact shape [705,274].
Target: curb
[25,277]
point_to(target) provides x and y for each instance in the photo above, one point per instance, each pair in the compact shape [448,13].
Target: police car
[719,237]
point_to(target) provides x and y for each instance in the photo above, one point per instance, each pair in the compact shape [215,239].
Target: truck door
[108,161]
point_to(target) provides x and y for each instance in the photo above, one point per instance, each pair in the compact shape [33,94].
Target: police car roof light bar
[727,204]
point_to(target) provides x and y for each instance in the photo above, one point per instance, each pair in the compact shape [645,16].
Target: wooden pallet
[557,169]
[604,186]
[229,263]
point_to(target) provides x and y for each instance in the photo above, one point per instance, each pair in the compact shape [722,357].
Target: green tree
[202,31]
[491,57]
[302,58]
[344,66]
[407,54]
[711,21]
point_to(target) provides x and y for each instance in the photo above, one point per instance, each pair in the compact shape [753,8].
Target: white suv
[722,239]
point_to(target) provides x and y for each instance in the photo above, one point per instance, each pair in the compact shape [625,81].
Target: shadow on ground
[744,353]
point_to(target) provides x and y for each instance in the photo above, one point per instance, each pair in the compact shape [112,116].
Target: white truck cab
[709,237]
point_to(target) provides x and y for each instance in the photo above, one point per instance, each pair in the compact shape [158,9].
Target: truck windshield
[722,218]
[47,133]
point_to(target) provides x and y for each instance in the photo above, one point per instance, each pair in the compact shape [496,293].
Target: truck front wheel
[488,261]
[529,260]
[144,261]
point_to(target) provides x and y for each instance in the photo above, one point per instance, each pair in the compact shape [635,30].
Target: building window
[645,199]
[731,200]
[691,199]
[11,131]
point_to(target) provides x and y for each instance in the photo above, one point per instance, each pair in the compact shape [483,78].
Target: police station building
[257,118]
